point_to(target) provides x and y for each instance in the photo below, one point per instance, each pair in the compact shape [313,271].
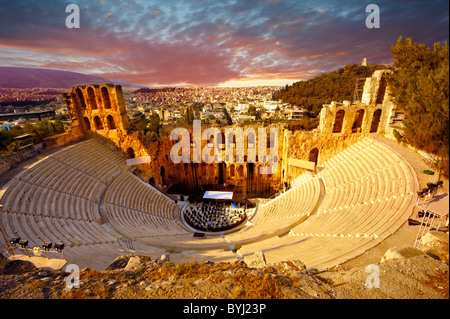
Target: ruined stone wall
[101,109]
[238,174]
[371,115]
[343,124]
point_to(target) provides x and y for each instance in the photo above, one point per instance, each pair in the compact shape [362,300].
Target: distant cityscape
[208,104]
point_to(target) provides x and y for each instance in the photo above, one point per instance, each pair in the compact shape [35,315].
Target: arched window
[91,97]
[80,98]
[338,121]
[98,123]
[105,97]
[110,122]
[314,155]
[87,124]
[130,153]
[375,121]
[381,90]
[241,171]
[357,123]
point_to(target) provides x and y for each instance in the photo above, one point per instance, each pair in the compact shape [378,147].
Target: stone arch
[162,173]
[314,155]
[357,123]
[105,97]
[250,168]
[80,98]
[240,171]
[98,123]
[110,122]
[375,121]
[381,90]
[87,123]
[338,121]
[91,98]
[130,152]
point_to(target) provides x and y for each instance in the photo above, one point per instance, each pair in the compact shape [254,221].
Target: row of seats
[367,194]
[138,225]
[370,191]
[128,191]
[138,210]
[57,200]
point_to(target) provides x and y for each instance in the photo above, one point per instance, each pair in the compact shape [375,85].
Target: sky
[212,42]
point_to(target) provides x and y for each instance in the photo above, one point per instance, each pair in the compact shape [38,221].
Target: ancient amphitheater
[86,196]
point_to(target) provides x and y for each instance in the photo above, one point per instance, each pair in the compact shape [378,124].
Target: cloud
[210,42]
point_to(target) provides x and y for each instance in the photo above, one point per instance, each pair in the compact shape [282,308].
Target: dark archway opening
[357,123]
[98,123]
[87,124]
[338,121]
[314,155]
[110,122]
[375,121]
[105,97]
[221,173]
[80,98]
[130,153]
[91,97]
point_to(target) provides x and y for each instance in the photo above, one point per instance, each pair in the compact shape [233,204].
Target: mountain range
[16,77]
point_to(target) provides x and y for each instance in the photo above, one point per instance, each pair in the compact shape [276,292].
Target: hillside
[338,85]
[12,77]
[403,273]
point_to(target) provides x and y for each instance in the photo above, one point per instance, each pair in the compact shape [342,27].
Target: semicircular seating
[57,200]
[369,194]
[84,196]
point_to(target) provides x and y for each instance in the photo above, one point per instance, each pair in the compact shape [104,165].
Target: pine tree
[420,86]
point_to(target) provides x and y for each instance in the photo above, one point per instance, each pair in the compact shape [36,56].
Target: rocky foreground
[406,273]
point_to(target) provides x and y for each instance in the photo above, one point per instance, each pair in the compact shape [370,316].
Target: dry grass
[37,284]
[90,274]
[255,288]
[439,283]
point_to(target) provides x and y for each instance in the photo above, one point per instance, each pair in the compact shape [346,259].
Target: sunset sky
[200,42]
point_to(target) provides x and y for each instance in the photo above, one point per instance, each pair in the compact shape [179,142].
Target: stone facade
[370,115]
[101,109]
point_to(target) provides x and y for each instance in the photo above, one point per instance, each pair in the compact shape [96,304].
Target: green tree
[420,86]
[338,85]
[6,138]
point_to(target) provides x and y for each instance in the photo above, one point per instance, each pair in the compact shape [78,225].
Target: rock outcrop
[403,273]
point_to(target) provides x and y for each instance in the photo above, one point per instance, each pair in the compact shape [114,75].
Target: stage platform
[199,196]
